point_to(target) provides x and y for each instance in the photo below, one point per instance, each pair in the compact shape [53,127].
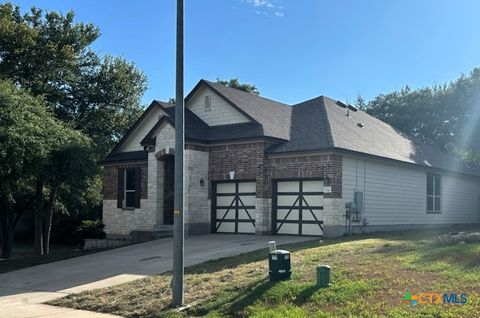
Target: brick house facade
[253,165]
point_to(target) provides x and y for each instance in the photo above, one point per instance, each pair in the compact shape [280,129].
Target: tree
[360,103]
[31,140]
[68,168]
[447,116]
[49,54]
[234,83]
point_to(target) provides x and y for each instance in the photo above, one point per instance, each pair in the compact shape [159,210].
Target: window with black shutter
[129,188]
[121,188]
[138,179]
[130,177]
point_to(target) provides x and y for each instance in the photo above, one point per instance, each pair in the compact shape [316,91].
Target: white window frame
[125,191]
[435,195]
[207,100]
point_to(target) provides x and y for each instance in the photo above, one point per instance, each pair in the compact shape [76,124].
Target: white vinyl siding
[394,194]
[434,193]
[133,141]
[220,112]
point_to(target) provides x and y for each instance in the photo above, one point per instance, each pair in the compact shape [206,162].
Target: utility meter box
[279,265]
[358,202]
[358,199]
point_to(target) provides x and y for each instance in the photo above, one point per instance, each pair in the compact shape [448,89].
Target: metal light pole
[178,226]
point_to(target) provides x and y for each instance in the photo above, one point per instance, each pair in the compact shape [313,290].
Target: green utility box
[279,265]
[323,276]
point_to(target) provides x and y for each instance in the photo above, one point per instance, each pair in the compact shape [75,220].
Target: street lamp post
[178,213]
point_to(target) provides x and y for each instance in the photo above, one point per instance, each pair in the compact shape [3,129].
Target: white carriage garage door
[298,207]
[233,206]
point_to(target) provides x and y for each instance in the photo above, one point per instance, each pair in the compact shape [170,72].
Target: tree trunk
[38,235]
[47,222]
[7,246]
[6,233]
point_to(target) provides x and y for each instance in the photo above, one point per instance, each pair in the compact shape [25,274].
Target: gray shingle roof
[314,125]
[125,156]
[272,115]
[321,123]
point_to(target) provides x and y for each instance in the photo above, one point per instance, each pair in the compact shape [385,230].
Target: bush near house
[89,229]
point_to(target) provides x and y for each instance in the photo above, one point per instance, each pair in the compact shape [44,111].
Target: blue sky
[292,50]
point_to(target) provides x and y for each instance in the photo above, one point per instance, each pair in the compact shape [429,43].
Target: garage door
[233,208]
[298,207]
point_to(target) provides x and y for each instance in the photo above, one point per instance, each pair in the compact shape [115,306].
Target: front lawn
[22,256]
[370,275]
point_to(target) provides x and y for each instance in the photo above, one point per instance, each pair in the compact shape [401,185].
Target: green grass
[22,256]
[369,274]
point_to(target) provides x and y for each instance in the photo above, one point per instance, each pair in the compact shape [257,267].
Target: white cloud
[266,7]
[260,3]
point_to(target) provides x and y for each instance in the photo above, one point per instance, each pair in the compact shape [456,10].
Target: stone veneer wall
[197,205]
[120,222]
[214,163]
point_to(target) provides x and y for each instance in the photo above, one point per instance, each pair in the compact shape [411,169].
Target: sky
[292,50]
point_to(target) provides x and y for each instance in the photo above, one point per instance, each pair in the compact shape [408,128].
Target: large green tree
[447,116]
[50,54]
[39,154]
[48,58]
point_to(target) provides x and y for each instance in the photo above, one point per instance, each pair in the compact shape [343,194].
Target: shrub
[89,229]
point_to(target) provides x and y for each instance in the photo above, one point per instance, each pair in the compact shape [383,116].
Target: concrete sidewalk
[22,292]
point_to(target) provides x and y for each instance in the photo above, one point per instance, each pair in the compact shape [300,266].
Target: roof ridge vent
[353,108]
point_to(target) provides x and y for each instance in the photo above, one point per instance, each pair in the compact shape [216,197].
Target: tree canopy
[234,83]
[50,54]
[63,107]
[34,147]
[447,116]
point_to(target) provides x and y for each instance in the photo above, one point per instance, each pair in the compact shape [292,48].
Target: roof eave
[131,129]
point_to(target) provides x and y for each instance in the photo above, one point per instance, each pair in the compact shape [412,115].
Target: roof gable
[220,113]
[274,117]
[132,138]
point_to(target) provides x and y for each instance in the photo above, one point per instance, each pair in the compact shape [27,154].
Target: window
[129,182]
[208,103]
[434,193]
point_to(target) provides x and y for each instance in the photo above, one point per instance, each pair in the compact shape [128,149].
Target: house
[254,165]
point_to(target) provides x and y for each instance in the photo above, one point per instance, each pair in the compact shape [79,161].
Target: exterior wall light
[327,182]
[327,185]
[202,182]
[232,174]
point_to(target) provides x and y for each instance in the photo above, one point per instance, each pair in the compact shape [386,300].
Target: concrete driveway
[23,291]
